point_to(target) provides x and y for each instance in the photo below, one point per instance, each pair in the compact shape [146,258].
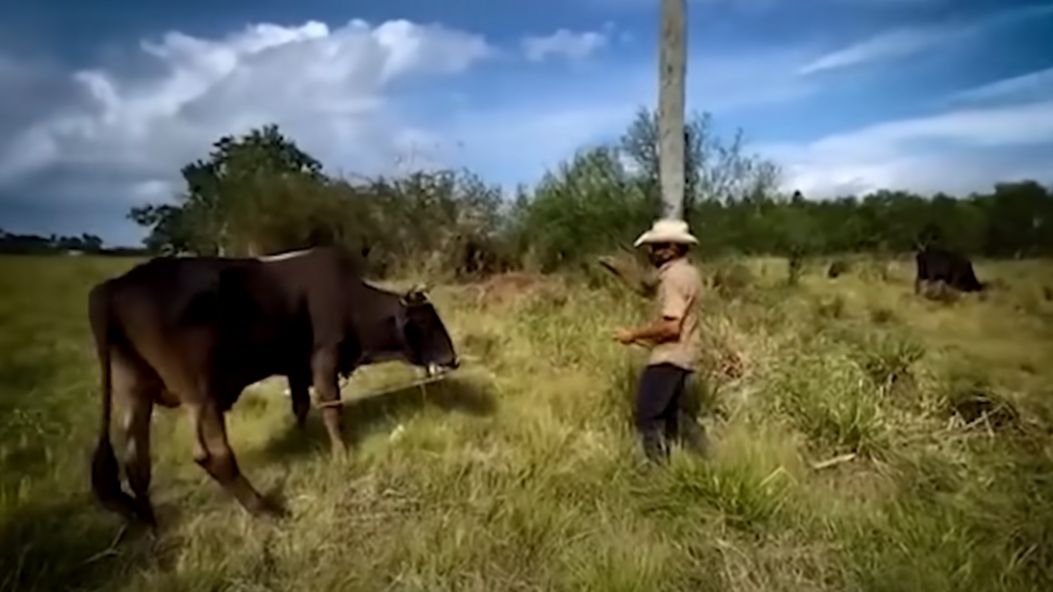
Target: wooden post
[671,72]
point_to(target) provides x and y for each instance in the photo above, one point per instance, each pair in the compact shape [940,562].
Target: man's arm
[676,298]
[658,331]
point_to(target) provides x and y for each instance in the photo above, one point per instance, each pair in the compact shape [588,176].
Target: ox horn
[416,293]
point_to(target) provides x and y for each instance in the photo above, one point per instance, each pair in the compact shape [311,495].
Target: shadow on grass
[360,416]
[65,545]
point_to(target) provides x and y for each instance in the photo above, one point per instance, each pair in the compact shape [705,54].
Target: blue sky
[102,107]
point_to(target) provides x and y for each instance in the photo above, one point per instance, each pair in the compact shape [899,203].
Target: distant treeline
[1013,220]
[32,244]
[260,193]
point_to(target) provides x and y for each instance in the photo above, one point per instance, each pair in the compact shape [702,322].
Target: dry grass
[521,471]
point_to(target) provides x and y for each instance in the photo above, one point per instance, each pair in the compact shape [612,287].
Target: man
[660,410]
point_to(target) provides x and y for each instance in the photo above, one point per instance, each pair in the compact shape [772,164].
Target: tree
[168,234]
[260,193]
[713,169]
[1019,215]
[591,203]
[231,198]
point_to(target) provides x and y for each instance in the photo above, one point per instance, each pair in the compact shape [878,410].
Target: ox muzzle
[434,370]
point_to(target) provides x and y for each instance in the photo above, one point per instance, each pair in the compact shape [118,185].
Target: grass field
[520,472]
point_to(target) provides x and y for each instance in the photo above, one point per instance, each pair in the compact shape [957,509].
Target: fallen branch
[837,460]
[109,551]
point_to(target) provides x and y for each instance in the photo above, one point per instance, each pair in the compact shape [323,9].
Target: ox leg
[137,455]
[301,398]
[134,387]
[327,386]
[213,453]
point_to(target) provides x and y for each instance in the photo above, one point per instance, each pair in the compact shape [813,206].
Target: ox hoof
[269,508]
[276,511]
[144,514]
[339,450]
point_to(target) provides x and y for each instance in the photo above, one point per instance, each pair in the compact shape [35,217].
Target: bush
[730,279]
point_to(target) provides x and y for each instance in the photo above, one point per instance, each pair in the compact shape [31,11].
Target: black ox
[939,265]
[194,332]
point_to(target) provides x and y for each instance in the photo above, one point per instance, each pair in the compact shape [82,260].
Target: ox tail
[105,477]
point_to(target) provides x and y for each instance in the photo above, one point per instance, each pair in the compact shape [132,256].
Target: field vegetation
[862,437]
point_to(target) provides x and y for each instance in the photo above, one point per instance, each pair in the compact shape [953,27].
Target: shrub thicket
[260,193]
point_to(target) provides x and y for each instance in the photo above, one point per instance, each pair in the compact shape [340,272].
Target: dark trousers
[665,412]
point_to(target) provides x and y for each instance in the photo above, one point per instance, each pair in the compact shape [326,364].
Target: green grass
[521,471]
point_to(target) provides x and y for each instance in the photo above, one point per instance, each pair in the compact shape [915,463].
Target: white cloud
[761,6]
[356,96]
[956,151]
[1016,125]
[564,44]
[332,90]
[890,44]
[898,43]
[1026,86]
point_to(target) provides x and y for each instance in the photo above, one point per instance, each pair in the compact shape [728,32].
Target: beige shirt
[679,288]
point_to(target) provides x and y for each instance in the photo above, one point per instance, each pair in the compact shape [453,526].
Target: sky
[100,108]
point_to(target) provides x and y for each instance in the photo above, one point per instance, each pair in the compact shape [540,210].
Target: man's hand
[625,336]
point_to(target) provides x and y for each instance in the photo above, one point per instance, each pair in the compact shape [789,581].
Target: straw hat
[667,231]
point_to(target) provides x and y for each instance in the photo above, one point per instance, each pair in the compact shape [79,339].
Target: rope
[415,383]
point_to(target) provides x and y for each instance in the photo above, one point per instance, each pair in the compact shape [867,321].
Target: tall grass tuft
[887,357]
[829,399]
[832,307]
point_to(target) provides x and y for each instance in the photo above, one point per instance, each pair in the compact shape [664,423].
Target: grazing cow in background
[194,332]
[940,265]
[837,268]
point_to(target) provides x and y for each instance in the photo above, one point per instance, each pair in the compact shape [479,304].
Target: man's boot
[654,446]
[692,434]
